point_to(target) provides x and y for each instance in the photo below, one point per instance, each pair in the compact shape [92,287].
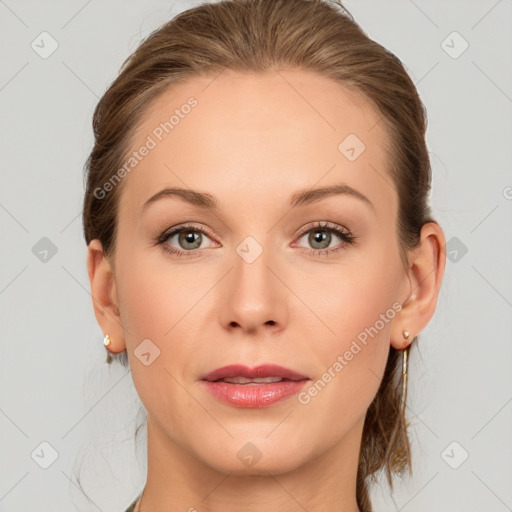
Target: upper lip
[261,371]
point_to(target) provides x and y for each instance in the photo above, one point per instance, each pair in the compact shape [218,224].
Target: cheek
[357,307]
[154,305]
[144,309]
[152,316]
[147,291]
[350,365]
[356,298]
[357,351]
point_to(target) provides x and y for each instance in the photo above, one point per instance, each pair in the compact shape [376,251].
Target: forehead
[236,133]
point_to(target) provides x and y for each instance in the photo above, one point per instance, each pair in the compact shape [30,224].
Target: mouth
[258,387]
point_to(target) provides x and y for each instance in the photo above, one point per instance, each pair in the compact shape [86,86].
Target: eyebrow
[300,198]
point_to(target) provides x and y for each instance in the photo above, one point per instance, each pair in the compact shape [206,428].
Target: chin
[255,455]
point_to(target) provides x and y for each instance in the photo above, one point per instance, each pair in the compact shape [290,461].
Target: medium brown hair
[259,36]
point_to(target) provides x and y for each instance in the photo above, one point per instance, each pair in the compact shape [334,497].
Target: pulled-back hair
[260,36]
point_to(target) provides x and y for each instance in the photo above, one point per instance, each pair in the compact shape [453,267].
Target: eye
[189,238]
[321,236]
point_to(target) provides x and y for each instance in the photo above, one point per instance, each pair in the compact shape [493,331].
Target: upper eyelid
[191,227]
[328,226]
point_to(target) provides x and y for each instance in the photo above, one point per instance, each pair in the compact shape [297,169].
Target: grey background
[55,386]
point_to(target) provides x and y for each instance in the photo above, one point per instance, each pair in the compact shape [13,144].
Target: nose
[253,298]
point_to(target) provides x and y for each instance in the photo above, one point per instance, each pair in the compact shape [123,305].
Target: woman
[262,254]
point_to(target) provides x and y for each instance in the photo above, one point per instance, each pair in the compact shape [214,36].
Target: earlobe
[426,269]
[104,295]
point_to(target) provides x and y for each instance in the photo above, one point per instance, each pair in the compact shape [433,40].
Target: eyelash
[345,235]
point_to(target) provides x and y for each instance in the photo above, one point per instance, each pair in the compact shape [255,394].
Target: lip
[263,370]
[254,395]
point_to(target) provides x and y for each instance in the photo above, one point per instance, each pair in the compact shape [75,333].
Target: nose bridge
[251,274]
[253,296]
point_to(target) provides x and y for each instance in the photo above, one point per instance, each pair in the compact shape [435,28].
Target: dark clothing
[131,508]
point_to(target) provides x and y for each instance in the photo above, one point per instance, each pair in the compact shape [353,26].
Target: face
[265,269]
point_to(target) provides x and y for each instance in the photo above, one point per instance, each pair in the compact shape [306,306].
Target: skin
[251,142]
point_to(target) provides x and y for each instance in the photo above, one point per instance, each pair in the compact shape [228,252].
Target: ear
[422,284]
[104,295]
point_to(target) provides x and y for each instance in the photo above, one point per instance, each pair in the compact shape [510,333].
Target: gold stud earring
[106,340]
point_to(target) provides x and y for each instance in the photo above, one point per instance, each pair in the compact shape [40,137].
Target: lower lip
[254,395]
